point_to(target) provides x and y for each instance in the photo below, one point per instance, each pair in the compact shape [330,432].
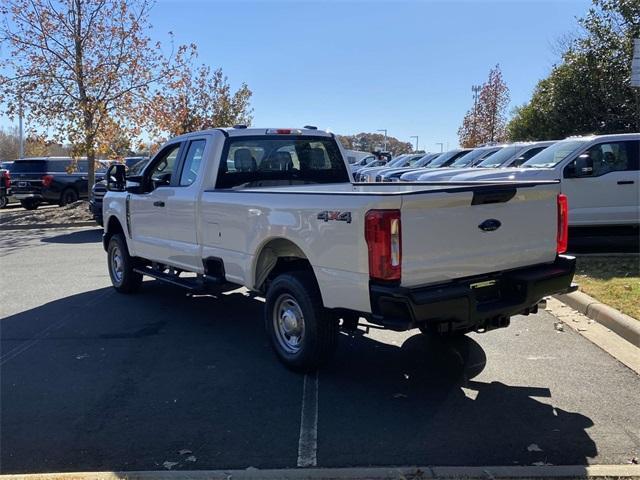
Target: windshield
[500,157]
[397,161]
[137,167]
[444,158]
[470,158]
[553,155]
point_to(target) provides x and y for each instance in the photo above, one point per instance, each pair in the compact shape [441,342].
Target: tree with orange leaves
[191,97]
[74,66]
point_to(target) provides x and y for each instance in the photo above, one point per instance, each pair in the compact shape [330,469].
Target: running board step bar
[193,284]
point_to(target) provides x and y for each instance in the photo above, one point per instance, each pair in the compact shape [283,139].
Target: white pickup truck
[275,211]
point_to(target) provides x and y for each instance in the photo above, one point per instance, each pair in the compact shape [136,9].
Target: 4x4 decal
[334,215]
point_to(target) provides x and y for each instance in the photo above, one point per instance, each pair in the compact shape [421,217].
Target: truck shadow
[418,404]
[101,381]
[76,237]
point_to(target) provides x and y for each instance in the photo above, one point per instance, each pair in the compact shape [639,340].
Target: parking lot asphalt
[93,380]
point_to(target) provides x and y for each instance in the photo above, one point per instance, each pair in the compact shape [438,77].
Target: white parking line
[308,441]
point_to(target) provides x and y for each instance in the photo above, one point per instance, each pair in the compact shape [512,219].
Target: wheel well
[66,189]
[112,227]
[276,257]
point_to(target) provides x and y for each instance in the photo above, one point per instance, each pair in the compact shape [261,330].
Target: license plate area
[23,184]
[486,291]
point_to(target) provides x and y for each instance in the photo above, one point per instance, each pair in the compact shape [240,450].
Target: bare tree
[486,121]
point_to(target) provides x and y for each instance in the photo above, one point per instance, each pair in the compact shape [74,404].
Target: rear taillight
[47,180]
[563,223]
[6,179]
[382,231]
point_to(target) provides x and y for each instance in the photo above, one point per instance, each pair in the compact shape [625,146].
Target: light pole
[416,137]
[476,91]
[441,146]
[20,129]
[385,138]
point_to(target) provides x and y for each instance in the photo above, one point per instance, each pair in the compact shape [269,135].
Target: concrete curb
[40,226]
[374,473]
[624,325]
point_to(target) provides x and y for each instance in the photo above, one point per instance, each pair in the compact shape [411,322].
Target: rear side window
[61,166]
[29,166]
[280,160]
[192,162]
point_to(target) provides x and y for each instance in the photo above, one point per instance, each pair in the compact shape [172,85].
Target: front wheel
[3,201]
[29,204]
[303,333]
[123,277]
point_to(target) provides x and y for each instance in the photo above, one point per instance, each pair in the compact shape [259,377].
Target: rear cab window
[254,161]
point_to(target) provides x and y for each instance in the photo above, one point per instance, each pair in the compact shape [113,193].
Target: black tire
[298,294]
[68,195]
[123,278]
[29,204]
[4,201]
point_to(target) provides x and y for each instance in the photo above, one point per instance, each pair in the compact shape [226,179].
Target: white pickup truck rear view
[275,211]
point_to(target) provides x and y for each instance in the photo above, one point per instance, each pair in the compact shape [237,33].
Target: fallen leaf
[169,465]
[399,395]
[185,451]
[534,448]
[191,458]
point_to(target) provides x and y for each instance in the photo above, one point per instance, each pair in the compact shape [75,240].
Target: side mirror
[116,178]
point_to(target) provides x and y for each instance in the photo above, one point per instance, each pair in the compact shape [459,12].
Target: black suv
[61,180]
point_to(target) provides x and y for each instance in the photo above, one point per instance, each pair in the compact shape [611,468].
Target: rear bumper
[464,305]
[25,196]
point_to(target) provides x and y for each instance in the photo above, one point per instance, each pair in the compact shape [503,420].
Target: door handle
[158,204]
[625,182]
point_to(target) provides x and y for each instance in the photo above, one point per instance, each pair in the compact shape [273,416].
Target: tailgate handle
[625,182]
[493,196]
[158,204]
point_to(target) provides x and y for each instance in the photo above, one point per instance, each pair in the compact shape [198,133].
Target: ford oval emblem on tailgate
[490,225]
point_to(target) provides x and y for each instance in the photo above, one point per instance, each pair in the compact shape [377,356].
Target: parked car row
[599,174]
[49,180]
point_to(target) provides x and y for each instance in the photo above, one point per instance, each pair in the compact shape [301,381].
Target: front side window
[607,157]
[161,170]
[280,160]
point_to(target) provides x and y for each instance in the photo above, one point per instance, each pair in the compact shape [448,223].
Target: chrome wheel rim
[117,264]
[288,323]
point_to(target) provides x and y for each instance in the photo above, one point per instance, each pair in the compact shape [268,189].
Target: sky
[353,66]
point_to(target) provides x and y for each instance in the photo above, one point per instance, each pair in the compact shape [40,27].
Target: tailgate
[477,230]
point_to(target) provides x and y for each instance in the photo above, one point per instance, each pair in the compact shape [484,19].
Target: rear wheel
[302,332]
[121,264]
[3,201]
[68,196]
[29,204]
